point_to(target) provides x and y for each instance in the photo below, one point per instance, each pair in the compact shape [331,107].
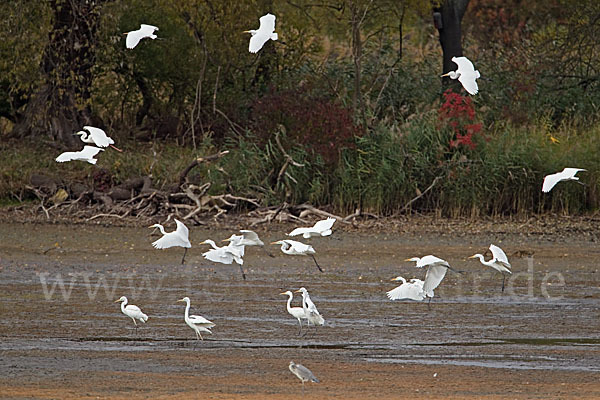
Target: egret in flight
[87,154]
[296,312]
[247,238]
[499,262]
[465,73]
[436,270]
[196,322]
[265,32]
[96,136]
[311,313]
[226,254]
[412,290]
[303,373]
[179,237]
[134,37]
[132,311]
[321,228]
[567,174]
[295,248]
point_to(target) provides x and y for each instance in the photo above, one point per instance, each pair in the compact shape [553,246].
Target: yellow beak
[448,74]
[117,301]
[472,257]
[283,293]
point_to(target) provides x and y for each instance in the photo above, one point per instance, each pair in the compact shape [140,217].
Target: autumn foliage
[457,112]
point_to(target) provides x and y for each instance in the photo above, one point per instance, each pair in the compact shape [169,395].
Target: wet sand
[62,335]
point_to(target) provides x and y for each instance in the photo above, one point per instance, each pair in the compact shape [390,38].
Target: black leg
[242,269]
[429,304]
[184,253]
[267,251]
[316,263]
[503,278]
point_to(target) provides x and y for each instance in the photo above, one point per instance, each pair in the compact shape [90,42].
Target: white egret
[567,174]
[132,311]
[179,237]
[296,312]
[321,228]
[226,254]
[265,32]
[134,37]
[96,136]
[310,310]
[499,262]
[196,322]
[295,248]
[303,373]
[465,73]
[247,238]
[412,290]
[87,154]
[436,270]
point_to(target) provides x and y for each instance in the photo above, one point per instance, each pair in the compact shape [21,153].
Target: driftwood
[198,161]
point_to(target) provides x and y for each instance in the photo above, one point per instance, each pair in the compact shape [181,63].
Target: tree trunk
[448,26]
[61,106]
[356,55]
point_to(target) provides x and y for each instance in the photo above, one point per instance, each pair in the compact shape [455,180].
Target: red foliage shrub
[458,112]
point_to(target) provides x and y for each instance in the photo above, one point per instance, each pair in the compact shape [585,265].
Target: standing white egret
[96,136]
[412,290]
[179,237]
[265,32]
[296,312]
[499,262]
[321,228]
[436,270]
[303,373]
[248,238]
[196,322]
[134,37]
[226,254]
[87,154]
[465,73]
[295,248]
[132,311]
[567,174]
[310,310]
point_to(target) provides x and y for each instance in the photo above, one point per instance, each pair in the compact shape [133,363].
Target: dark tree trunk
[61,106]
[447,19]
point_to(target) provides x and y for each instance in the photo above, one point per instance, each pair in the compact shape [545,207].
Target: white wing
[412,291]
[430,260]
[182,230]
[324,226]
[300,231]
[132,308]
[257,41]
[87,154]
[251,238]
[220,256]
[499,255]
[550,181]
[199,320]
[570,172]
[467,74]
[267,23]
[148,30]
[300,248]
[134,37]
[433,278]
[99,136]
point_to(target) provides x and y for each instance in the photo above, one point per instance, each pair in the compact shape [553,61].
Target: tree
[447,19]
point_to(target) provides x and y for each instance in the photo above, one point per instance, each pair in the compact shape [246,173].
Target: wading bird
[296,312]
[311,313]
[567,174]
[226,254]
[96,136]
[134,37]
[321,228]
[295,248]
[179,237]
[132,311]
[499,262]
[196,322]
[87,154]
[303,373]
[247,238]
[465,73]
[412,290]
[436,270]
[265,32]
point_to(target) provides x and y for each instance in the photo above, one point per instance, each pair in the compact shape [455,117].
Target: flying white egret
[499,262]
[96,136]
[303,373]
[310,310]
[265,32]
[196,322]
[132,311]
[295,248]
[436,270]
[87,154]
[321,228]
[296,312]
[412,290]
[567,174]
[179,237]
[134,37]
[247,238]
[226,254]
[465,73]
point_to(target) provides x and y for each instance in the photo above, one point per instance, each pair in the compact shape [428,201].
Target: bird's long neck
[289,302]
[85,137]
[123,304]
[187,309]
[161,229]
[483,260]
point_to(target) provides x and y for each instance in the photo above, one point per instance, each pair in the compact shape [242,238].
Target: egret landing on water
[412,290]
[465,73]
[436,270]
[226,254]
[132,312]
[303,373]
[134,37]
[96,136]
[265,32]
[196,322]
[178,238]
[499,262]
[295,248]
[321,228]
[247,238]
[567,174]
[296,312]
[87,154]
